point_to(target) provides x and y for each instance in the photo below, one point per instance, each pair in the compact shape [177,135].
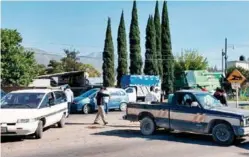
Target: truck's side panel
[160,113]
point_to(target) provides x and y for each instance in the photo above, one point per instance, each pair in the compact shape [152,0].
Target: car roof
[36,91]
[191,91]
[114,89]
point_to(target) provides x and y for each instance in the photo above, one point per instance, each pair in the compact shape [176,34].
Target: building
[242,64]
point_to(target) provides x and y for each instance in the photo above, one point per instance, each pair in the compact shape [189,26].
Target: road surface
[119,138]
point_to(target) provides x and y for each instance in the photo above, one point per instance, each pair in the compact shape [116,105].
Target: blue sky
[53,26]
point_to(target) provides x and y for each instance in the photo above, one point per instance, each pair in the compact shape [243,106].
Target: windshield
[88,93]
[21,100]
[207,100]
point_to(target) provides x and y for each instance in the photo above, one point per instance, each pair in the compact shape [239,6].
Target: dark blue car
[2,94]
[86,102]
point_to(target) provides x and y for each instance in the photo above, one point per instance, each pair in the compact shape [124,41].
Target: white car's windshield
[21,100]
[207,100]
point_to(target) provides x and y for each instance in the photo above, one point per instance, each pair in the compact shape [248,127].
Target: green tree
[167,57]
[136,62]
[108,58]
[55,67]
[150,67]
[190,60]
[18,67]
[71,63]
[158,40]
[122,50]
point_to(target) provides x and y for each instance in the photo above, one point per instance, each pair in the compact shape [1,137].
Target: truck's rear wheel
[147,126]
[223,134]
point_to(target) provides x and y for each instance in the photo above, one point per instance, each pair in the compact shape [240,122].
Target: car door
[131,92]
[61,105]
[114,99]
[45,109]
[185,117]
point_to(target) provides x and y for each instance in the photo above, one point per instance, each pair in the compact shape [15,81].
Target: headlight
[244,122]
[25,120]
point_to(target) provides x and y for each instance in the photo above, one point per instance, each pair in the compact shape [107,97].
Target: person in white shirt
[70,97]
[151,96]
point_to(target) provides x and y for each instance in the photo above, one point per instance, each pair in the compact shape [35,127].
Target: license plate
[3,129]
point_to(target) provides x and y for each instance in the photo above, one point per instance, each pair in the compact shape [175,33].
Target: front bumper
[242,131]
[18,129]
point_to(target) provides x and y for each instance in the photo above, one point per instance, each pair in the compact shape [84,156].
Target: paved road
[119,138]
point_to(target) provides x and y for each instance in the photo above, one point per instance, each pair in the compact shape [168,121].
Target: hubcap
[86,109]
[147,127]
[123,107]
[222,134]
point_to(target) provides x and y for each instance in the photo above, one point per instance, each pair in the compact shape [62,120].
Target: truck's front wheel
[147,126]
[223,134]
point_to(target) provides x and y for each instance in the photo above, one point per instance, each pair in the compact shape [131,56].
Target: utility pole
[222,60]
[226,56]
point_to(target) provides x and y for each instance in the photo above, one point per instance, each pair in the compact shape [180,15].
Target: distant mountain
[43,57]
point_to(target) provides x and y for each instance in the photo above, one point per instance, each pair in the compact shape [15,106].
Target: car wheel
[123,107]
[86,109]
[39,130]
[147,126]
[223,134]
[61,123]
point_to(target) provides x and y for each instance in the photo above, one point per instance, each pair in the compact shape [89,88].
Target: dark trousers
[106,108]
[69,107]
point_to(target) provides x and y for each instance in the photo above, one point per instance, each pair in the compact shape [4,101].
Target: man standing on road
[151,96]
[70,97]
[101,98]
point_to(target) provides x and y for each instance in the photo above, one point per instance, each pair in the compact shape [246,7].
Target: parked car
[2,94]
[86,102]
[193,111]
[27,112]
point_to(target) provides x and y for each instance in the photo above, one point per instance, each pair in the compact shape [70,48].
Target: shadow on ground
[9,139]
[108,125]
[180,137]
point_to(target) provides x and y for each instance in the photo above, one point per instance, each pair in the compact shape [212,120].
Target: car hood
[12,115]
[231,110]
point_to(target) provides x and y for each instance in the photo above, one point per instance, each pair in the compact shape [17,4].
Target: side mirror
[51,102]
[194,104]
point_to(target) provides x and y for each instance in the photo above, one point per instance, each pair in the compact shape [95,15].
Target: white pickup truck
[27,112]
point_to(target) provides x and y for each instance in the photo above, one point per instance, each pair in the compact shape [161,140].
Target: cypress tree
[136,62]
[167,57]
[122,50]
[158,40]
[150,67]
[108,58]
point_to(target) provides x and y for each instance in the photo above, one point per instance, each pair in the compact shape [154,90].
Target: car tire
[223,134]
[147,126]
[61,123]
[86,109]
[39,130]
[123,107]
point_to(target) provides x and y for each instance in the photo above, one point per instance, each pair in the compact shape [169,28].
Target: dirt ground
[120,138]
